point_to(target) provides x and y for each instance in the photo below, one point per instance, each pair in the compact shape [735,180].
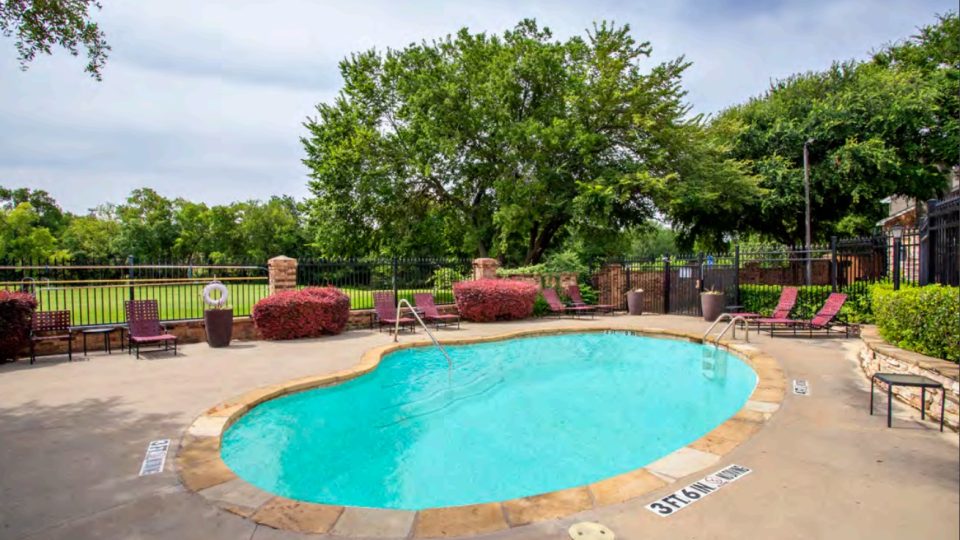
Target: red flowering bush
[487,300]
[308,312]
[16,310]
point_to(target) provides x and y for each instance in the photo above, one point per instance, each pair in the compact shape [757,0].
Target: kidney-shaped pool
[510,419]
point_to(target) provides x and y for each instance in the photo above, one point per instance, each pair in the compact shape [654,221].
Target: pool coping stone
[202,470]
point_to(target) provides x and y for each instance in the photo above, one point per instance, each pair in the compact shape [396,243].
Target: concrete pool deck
[73,435]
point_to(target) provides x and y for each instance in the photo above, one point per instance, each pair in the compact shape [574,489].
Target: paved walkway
[72,436]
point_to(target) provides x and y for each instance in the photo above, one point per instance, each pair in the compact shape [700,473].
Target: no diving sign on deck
[682,498]
[156,457]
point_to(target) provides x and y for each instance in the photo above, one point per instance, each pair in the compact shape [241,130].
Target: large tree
[39,25]
[503,145]
[888,126]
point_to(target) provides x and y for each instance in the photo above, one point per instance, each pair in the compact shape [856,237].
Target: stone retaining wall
[876,355]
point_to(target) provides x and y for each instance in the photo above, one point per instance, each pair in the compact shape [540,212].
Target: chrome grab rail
[733,318]
[396,330]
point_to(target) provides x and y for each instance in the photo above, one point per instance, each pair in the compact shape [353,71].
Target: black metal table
[106,331]
[904,379]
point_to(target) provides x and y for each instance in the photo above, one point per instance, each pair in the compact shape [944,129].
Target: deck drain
[589,530]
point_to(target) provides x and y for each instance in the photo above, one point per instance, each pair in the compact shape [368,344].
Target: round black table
[106,331]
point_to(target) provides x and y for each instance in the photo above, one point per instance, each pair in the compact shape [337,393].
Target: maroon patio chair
[825,319]
[558,308]
[50,326]
[385,307]
[573,291]
[430,313]
[144,328]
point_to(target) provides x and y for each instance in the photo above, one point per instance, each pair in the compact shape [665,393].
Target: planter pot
[218,324]
[635,303]
[712,306]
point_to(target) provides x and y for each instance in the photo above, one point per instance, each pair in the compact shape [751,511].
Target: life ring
[215,302]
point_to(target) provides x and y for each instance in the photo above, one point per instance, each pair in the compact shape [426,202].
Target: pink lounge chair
[385,307]
[430,313]
[788,299]
[825,319]
[144,328]
[557,307]
[573,291]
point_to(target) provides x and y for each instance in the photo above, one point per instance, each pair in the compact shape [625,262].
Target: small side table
[903,379]
[105,331]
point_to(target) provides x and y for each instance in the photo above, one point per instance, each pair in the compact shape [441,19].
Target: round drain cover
[588,530]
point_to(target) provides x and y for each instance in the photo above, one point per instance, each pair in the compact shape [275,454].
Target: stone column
[282,273]
[485,268]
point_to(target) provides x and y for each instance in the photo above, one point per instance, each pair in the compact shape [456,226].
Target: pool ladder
[396,330]
[734,319]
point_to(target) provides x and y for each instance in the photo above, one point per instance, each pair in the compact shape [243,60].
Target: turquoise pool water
[512,418]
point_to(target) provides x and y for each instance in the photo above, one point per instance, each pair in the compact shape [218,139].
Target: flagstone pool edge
[202,470]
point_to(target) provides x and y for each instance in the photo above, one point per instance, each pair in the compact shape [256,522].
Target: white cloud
[206,99]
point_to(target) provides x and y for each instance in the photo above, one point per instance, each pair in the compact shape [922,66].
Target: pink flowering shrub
[487,300]
[16,311]
[309,312]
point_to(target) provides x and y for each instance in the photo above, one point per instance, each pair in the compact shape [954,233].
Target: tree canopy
[39,25]
[507,146]
[887,126]
[150,227]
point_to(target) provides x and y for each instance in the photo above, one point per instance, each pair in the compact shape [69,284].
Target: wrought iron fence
[95,291]
[359,278]
[941,242]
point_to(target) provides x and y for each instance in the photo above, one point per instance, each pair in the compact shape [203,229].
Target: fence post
[928,246]
[833,262]
[130,275]
[282,274]
[736,275]
[396,300]
[666,284]
[896,264]
[627,286]
[702,275]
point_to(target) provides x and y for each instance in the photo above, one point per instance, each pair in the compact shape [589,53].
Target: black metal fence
[359,278]
[749,278]
[95,291]
[940,262]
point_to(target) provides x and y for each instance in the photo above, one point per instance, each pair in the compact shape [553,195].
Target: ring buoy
[215,302]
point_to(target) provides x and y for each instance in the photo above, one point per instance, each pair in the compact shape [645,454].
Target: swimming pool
[510,419]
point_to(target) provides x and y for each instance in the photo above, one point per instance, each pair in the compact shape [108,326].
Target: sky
[206,100]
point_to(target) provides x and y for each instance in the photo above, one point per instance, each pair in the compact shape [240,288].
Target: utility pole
[806,197]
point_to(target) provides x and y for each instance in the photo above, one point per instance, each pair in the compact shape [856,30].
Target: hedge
[486,300]
[309,312]
[922,319]
[16,311]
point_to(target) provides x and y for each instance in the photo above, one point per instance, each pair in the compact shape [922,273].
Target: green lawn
[104,305]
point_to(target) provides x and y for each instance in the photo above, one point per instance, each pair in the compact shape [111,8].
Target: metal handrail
[396,330]
[733,318]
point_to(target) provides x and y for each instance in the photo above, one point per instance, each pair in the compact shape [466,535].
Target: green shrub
[922,319]
[540,307]
[589,294]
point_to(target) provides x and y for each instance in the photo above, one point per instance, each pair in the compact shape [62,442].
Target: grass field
[104,304]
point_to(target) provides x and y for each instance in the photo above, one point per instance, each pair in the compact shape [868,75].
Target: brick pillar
[485,268]
[283,274]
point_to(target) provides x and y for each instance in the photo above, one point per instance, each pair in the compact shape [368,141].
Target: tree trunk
[540,240]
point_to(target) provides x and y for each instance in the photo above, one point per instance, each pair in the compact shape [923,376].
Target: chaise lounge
[430,313]
[824,320]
